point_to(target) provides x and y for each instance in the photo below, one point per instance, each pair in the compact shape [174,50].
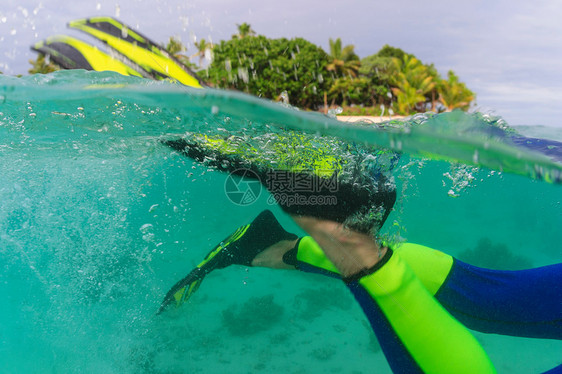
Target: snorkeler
[418,300]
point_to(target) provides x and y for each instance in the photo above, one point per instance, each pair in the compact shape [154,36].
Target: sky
[508,52]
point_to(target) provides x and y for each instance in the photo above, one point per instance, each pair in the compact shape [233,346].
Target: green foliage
[378,69]
[41,65]
[407,97]
[346,91]
[411,82]
[176,49]
[309,77]
[416,87]
[244,30]
[454,94]
[203,48]
[392,52]
[268,67]
[343,61]
[381,65]
[175,46]
[381,70]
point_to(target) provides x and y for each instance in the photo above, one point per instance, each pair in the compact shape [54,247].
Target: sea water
[99,219]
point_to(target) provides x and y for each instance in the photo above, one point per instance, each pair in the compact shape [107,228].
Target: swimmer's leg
[525,303]
[556,370]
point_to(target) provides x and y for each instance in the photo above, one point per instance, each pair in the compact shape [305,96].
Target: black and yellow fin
[239,248]
[182,290]
[138,48]
[72,53]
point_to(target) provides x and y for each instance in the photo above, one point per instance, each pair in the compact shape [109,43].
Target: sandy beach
[372,119]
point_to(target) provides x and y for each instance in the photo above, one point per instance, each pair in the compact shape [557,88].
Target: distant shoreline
[372,119]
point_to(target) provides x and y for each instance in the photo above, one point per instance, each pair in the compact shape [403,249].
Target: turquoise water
[98,219]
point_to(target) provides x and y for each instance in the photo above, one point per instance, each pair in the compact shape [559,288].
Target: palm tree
[42,66]
[433,94]
[175,48]
[203,48]
[244,30]
[344,61]
[407,97]
[411,82]
[454,94]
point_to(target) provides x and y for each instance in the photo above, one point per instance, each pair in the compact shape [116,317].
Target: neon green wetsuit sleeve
[400,300]
[436,341]
[430,266]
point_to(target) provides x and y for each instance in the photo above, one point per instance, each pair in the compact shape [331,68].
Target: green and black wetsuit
[415,297]
[524,303]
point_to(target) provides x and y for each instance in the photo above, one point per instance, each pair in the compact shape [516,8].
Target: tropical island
[296,71]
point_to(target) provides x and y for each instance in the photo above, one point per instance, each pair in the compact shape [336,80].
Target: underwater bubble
[243,74]
[475,157]
[332,113]
[184,21]
[208,55]
[461,176]
[284,97]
